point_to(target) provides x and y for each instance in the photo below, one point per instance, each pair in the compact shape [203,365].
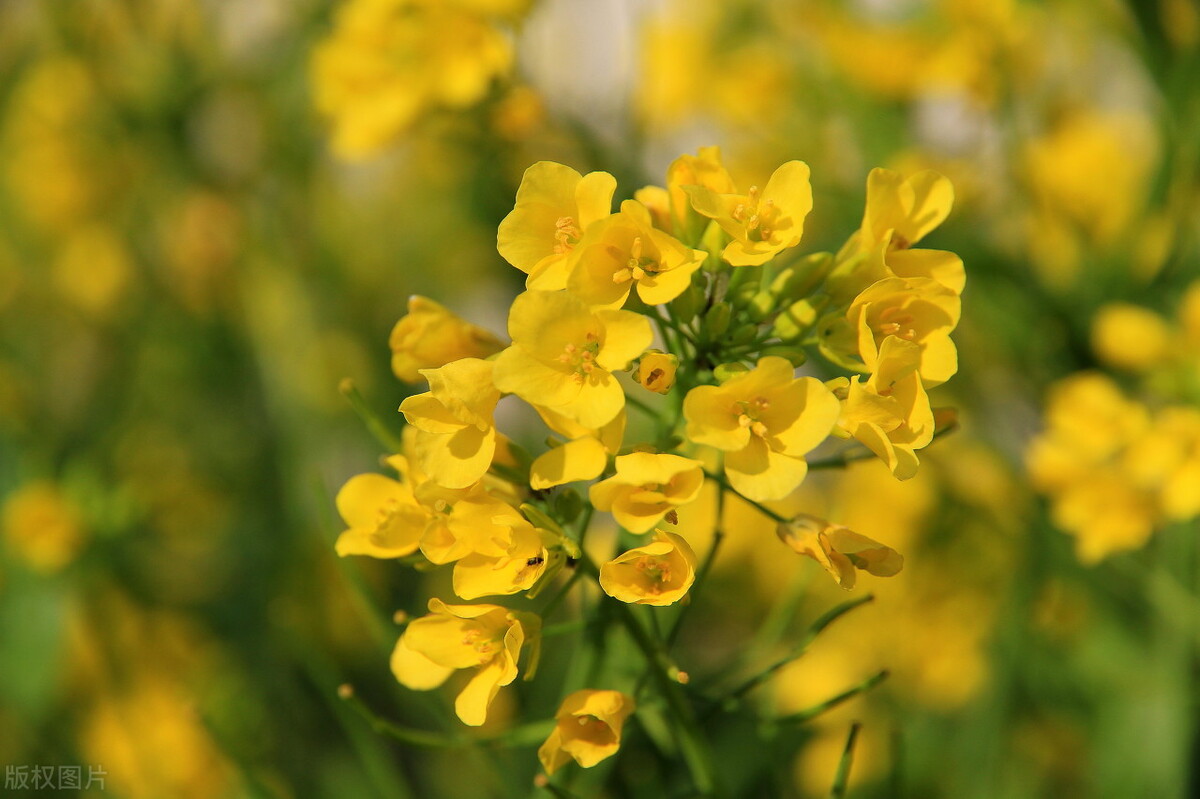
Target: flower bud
[716,321]
[656,371]
[744,334]
[429,337]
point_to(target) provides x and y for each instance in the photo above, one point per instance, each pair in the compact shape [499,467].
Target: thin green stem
[702,572]
[643,407]
[838,791]
[763,509]
[817,627]
[375,425]
[808,714]
[696,751]
[557,599]
[408,735]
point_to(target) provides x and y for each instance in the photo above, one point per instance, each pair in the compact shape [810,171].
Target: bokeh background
[211,213]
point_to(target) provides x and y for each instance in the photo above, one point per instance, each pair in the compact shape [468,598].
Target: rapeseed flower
[587,729]
[765,420]
[487,638]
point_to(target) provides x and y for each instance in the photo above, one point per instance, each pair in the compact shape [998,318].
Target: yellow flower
[457,434]
[563,355]
[384,518]
[484,637]
[588,729]
[648,487]
[430,336]
[625,250]
[462,522]
[762,223]
[387,62]
[671,207]
[765,420]
[572,462]
[1129,337]
[519,569]
[919,310]
[555,206]
[901,211]
[659,573]
[42,527]
[840,551]
[890,412]
[656,371]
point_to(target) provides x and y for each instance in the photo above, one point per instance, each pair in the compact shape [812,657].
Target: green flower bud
[744,334]
[567,505]
[795,322]
[716,321]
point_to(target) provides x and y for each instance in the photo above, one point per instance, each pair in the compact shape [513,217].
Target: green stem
[641,406]
[377,427]
[763,509]
[408,735]
[811,713]
[828,618]
[702,573]
[695,750]
[557,599]
[843,771]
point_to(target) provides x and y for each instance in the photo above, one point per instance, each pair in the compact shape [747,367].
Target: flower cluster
[389,62]
[689,304]
[1117,467]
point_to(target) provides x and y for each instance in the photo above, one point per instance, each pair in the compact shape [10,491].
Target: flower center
[484,645]
[896,321]
[581,358]
[386,514]
[760,218]
[657,572]
[566,234]
[637,266]
[747,413]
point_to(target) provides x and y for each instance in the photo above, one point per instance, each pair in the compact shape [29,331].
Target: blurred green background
[211,213]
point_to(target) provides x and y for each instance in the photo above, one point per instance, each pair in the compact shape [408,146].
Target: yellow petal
[582,459]
[759,473]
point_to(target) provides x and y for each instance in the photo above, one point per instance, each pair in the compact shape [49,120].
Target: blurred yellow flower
[387,62]
[429,336]
[765,420]
[761,222]
[840,551]
[648,487]
[484,637]
[672,208]
[890,412]
[42,528]
[554,209]
[457,433]
[587,730]
[656,371]
[563,355]
[658,573]
[1129,337]
[625,250]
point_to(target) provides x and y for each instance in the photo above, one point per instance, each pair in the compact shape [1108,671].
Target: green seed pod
[716,321]
[794,354]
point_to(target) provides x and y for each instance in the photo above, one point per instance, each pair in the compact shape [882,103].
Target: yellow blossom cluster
[1117,467]
[389,62]
[690,305]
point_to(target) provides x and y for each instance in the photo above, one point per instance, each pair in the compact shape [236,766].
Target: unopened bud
[727,370]
[716,321]
[656,371]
